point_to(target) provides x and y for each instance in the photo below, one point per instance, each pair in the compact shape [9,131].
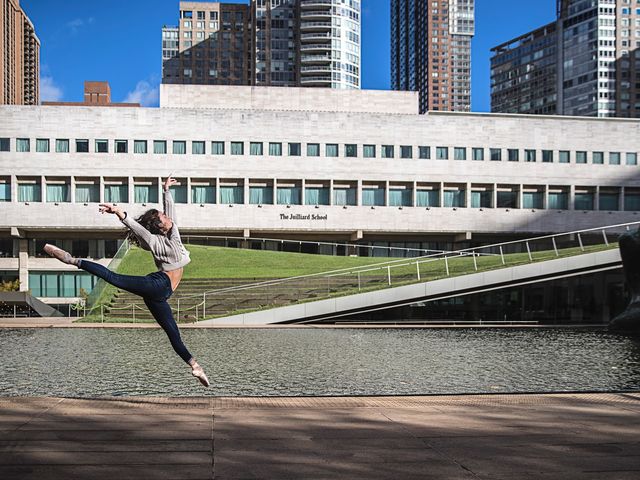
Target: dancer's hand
[169,182]
[108,208]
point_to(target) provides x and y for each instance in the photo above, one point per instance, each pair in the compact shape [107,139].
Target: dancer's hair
[149,220]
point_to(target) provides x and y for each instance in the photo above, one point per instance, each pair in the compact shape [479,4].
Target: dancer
[157,232]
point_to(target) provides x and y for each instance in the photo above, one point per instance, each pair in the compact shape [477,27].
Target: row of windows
[319,192]
[294,149]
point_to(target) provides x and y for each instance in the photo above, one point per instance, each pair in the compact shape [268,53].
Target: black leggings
[155,290]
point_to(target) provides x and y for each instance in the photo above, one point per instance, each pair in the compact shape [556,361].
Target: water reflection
[97,362]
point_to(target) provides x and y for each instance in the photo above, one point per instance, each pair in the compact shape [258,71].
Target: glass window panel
[294,150]
[139,146]
[513,155]
[442,153]
[351,150]
[22,145]
[632,158]
[369,151]
[201,194]
[598,158]
[373,196]
[5,145]
[495,154]
[614,158]
[547,156]
[5,192]
[159,147]
[427,198]
[288,195]
[400,197]
[581,157]
[481,199]
[255,148]
[102,146]
[558,201]
[261,195]
[62,145]
[609,201]
[632,202]
[179,147]
[87,193]
[58,193]
[122,146]
[217,148]
[275,149]
[529,155]
[116,193]
[316,196]
[460,153]
[331,150]
[42,145]
[478,153]
[583,201]
[197,147]
[532,200]
[453,198]
[237,148]
[179,193]
[424,152]
[344,196]
[506,199]
[313,149]
[406,151]
[387,151]
[29,192]
[231,195]
[145,194]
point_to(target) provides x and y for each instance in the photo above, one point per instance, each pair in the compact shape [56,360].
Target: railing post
[204,305]
[418,270]
[555,247]
[475,261]
[133,311]
[446,265]
[101,313]
[502,255]
[604,235]
[178,312]
[359,281]
[14,310]
[580,242]
[389,274]
[529,251]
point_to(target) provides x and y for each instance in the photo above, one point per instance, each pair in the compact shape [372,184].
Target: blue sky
[120,41]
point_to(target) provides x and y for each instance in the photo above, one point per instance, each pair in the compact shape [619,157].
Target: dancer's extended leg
[143,286]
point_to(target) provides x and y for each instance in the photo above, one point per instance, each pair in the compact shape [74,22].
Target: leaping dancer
[157,232]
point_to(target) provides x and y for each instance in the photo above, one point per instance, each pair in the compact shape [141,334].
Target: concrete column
[23,264]
[414,196]
[621,200]
[359,193]
[188,190]
[331,192]
[130,197]
[467,195]
[245,191]
[14,188]
[441,194]
[386,193]
[520,196]
[545,197]
[72,189]
[596,200]
[101,185]
[494,196]
[572,197]
[303,199]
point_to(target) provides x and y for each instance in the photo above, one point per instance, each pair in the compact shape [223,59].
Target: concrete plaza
[526,436]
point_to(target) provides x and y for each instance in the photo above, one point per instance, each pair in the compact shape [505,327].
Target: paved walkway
[501,437]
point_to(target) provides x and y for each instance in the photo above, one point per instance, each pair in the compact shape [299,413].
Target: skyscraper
[587,62]
[314,43]
[431,51]
[20,51]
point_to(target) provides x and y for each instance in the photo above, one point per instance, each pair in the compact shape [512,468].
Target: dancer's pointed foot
[60,254]
[198,372]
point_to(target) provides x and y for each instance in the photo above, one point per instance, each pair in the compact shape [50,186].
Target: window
[442,153]
[459,153]
[427,198]
[275,149]
[597,158]
[495,154]
[62,145]
[313,149]
[609,201]
[386,151]
[87,191]
[481,198]
[400,197]
[369,151]
[506,199]
[288,195]
[231,194]
[581,157]
[532,199]
[478,153]
[331,150]
[453,198]
[203,193]
[102,146]
[237,148]
[159,147]
[424,152]
[547,156]
[42,145]
[316,196]
[5,190]
[259,195]
[255,148]
[406,151]
[57,191]
[614,158]
[29,191]
[82,146]
[558,200]
[179,193]
[343,196]
[197,147]
[217,148]
[632,200]
[4,144]
[632,158]
[583,201]
[116,192]
[139,146]
[145,192]
[564,156]
[350,150]
[513,155]
[294,149]
[22,145]
[122,146]
[372,196]
[179,147]
[529,155]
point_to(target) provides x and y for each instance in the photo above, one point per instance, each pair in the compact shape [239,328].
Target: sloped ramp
[24,301]
[427,291]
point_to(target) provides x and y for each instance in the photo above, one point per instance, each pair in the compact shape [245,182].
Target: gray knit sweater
[168,251]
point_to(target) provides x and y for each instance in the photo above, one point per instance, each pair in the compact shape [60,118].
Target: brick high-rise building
[308,43]
[20,51]
[587,63]
[431,51]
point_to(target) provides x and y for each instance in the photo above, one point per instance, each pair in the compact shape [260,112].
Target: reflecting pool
[93,362]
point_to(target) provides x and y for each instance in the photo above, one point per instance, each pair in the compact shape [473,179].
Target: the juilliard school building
[360,167]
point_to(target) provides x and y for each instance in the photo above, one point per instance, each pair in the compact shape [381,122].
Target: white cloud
[145,93]
[49,91]
[77,23]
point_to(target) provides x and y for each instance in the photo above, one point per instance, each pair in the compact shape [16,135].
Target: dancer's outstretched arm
[141,232]
[167,198]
